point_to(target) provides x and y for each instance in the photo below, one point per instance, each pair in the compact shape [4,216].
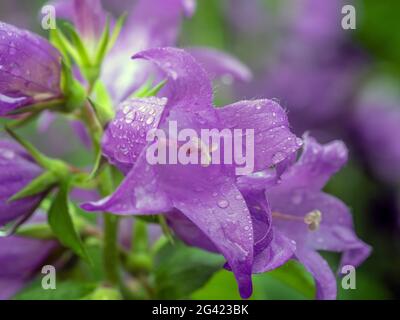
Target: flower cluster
[256,222]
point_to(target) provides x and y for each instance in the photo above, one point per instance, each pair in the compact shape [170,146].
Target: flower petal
[16,171]
[88,16]
[189,86]
[125,136]
[19,257]
[277,253]
[221,65]
[220,212]
[324,278]
[29,69]
[139,193]
[317,164]
[272,137]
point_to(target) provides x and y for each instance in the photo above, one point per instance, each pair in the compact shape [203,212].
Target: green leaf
[180,270]
[68,290]
[62,224]
[38,185]
[295,276]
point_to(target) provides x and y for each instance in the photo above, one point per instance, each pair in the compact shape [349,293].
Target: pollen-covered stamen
[203,149]
[312,219]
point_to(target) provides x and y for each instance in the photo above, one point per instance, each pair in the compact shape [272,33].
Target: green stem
[111,260]
[110,254]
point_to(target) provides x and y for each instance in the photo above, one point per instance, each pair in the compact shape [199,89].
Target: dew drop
[223,204]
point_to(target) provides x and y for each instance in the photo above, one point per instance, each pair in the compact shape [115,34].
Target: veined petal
[16,171]
[139,193]
[220,65]
[125,136]
[273,141]
[277,253]
[220,212]
[19,257]
[29,69]
[317,164]
[188,84]
[188,232]
[324,278]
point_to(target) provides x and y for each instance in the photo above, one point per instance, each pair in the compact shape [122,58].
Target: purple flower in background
[310,217]
[88,17]
[19,258]
[377,128]
[17,170]
[206,195]
[29,69]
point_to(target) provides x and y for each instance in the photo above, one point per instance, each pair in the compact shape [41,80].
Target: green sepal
[40,184]
[61,222]
[147,90]
[156,89]
[165,228]
[102,103]
[75,94]
[117,30]
[59,39]
[40,231]
[101,50]
[84,58]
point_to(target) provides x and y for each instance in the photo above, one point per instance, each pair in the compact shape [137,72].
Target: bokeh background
[334,83]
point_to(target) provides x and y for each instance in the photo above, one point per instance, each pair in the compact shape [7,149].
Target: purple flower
[205,195]
[29,69]
[311,218]
[150,23]
[19,258]
[17,169]
[88,16]
[377,128]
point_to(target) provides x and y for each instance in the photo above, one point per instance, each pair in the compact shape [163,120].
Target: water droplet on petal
[223,204]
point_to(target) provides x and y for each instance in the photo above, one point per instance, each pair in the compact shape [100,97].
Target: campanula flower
[20,257]
[204,194]
[17,170]
[30,69]
[376,124]
[311,218]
